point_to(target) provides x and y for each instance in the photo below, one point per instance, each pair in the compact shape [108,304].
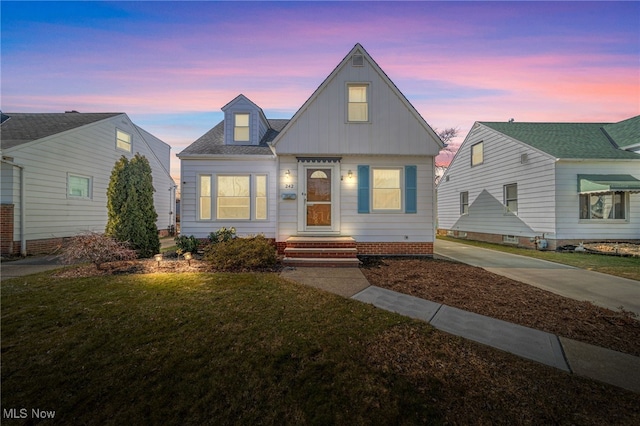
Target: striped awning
[589,184]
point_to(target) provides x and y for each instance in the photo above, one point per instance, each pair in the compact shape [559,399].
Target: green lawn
[254,349]
[626,267]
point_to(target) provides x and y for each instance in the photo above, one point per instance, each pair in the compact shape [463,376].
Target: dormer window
[358,103]
[241,127]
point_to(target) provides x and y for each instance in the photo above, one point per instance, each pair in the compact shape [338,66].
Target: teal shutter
[363,189]
[410,189]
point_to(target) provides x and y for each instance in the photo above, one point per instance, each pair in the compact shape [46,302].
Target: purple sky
[171,66]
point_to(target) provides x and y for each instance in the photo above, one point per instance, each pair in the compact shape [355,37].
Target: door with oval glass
[318,198]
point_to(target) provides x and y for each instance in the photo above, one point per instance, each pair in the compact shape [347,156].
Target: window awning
[607,183]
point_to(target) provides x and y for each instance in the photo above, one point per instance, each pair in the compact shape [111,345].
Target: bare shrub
[97,249]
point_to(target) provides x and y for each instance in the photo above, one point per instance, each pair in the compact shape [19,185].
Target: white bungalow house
[350,173]
[56,169]
[566,183]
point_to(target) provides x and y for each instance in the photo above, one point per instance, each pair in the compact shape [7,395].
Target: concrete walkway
[568,355]
[603,290]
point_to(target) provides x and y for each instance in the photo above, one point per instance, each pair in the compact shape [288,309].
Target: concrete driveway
[600,289]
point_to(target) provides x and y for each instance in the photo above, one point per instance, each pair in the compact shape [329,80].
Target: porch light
[188,257]
[350,174]
[158,258]
[287,174]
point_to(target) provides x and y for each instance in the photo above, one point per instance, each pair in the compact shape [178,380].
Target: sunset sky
[172,65]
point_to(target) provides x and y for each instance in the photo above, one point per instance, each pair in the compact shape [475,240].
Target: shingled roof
[573,140]
[212,142]
[20,128]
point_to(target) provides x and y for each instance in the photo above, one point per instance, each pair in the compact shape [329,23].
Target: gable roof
[625,133]
[358,48]
[19,128]
[212,142]
[567,140]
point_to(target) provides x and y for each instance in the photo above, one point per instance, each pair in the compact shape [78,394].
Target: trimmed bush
[221,235]
[97,249]
[186,244]
[241,254]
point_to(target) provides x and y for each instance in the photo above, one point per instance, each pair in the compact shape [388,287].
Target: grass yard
[199,348]
[626,267]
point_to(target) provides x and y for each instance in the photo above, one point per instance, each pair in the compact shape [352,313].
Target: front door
[318,199]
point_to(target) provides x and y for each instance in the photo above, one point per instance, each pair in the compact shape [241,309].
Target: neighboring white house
[351,172]
[55,173]
[564,182]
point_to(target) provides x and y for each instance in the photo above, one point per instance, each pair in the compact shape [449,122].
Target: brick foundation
[525,242]
[6,229]
[395,249]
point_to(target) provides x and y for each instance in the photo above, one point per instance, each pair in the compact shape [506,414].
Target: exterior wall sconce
[287,174]
[188,257]
[158,258]
[350,174]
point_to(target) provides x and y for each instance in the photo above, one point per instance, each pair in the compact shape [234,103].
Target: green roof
[573,140]
[625,133]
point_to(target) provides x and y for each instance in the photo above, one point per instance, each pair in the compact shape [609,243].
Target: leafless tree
[446,135]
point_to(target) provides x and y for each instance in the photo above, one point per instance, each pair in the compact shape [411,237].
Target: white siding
[87,151]
[502,165]
[568,202]
[190,169]
[321,127]
[371,227]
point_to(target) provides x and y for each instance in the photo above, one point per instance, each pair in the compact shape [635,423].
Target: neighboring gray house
[55,173]
[564,182]
[351,173]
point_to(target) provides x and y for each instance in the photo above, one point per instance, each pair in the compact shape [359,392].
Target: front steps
[321,252]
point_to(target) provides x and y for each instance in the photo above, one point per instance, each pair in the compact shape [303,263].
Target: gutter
[23,210]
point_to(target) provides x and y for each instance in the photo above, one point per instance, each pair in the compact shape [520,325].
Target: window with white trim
[477,154]
[79,186]
[386,189]
[604,206]
[204,197]
[123,140]
[232,197]
[241,127]
[511,197]
[464,202]
[358,103]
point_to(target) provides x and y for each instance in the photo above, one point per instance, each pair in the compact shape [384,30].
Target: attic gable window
[357,60]
[123,140]
[477,154]
[241,127]
[358,103]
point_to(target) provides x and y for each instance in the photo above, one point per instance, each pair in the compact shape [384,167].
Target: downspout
[23,210]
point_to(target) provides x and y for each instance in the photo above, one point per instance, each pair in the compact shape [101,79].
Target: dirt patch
[477,290]
[620,249]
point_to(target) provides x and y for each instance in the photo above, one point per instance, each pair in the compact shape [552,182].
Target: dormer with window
[244,122]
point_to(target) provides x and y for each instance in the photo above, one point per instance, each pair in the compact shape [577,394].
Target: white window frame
[124,144]
[508,201]
[236,128]
[203,198]
[367,102]
[589,219]
[475,161]
[213,197]
[401,189]
[89,180]
[464,203]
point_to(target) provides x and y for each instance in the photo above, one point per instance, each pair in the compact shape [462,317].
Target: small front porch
[320,251]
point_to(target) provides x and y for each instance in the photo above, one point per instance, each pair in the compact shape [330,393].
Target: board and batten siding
[321,127]
[88,151]
[568,202]
[192,168]
[369,227]
[502,165]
